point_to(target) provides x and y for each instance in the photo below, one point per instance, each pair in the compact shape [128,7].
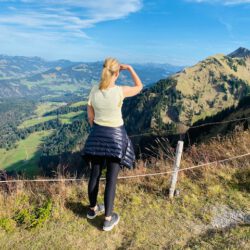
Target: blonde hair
[110,67]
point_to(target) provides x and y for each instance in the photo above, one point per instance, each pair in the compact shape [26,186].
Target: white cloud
[55,29]
[224,2]
[65,16]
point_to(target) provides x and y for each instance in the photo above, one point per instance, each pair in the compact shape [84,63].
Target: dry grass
[149,220]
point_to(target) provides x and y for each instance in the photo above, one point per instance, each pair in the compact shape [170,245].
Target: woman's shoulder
[120,88]
[94,88]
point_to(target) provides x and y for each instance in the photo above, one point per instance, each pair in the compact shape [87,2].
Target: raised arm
[129,91]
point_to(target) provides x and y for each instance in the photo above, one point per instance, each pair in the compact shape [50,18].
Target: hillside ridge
[196,92]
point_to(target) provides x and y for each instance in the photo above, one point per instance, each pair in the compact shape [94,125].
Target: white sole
[111,227]
[91,217]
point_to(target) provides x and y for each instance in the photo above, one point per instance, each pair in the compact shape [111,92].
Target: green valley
[24,157]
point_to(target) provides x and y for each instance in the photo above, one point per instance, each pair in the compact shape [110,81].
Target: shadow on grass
[241,180]
[154,189]
[80,210]
[25,168]
[71,164]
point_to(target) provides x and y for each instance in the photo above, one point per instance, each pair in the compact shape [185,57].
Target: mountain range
[33,76]
[22,66]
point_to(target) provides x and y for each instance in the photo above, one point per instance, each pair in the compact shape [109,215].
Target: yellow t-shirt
[107,105]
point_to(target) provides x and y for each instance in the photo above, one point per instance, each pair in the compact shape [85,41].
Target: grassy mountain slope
[216,83]
[238,115]
[26,154]
[212,211]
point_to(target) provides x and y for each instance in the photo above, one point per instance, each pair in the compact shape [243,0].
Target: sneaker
[91,214]
[108,225]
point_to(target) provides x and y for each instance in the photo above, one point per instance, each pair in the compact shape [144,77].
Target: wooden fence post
[176,168]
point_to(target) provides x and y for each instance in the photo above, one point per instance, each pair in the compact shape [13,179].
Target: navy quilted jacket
[109,141]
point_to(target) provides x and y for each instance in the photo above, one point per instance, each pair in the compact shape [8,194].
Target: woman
[108,143]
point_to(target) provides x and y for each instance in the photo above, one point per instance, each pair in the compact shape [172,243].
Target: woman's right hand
[129,91]
[125,67]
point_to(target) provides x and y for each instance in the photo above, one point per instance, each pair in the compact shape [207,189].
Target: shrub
[34,217]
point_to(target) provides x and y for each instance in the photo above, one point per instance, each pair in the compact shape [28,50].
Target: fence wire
[129,176]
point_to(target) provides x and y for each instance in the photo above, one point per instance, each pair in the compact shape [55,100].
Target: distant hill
[240,52]
[22,66]
[75,73]
[28,76]
[200,91]
[89,73]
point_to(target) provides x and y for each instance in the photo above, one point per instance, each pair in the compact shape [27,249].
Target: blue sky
[179,32]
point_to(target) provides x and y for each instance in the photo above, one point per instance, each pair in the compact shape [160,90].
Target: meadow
[41,109]
[25,155]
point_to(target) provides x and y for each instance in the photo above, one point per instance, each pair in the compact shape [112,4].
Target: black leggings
[113,167]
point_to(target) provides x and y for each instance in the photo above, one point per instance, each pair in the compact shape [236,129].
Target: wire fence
[129,176]
[149,174]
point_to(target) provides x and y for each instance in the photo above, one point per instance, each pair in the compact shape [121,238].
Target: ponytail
[110,66]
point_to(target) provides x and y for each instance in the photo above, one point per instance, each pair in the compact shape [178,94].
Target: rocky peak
[240,52]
